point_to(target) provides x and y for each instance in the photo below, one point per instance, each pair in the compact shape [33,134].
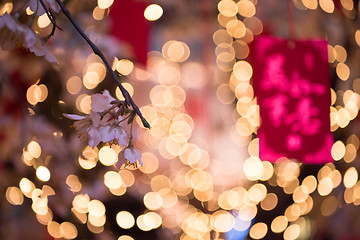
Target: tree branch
[51,18]
[96,50]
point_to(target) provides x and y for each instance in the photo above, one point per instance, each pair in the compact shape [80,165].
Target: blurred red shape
[129,25]
[292,85]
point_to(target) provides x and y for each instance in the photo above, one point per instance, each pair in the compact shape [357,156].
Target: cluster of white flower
[14,34]
[102,124]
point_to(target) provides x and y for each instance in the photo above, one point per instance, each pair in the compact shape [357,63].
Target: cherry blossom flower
[129,156]
[14,34]
[36,6]
[102,124]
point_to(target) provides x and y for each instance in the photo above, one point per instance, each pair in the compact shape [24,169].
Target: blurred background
[186,65]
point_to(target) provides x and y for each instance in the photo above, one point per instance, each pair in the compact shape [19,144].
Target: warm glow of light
[309,184]
[74,85]
[43,173]
[125,237]
[222,221]
[83,103]
[14,196]
[107,156]
[292,232]
[227,8]
[153,200]
[258,230]
[246,8]
[343,71]
[125,219]
[311,4]
[279,224]
[34,149]
[325,186]
[6,8]
[253,168]
[98,13]
[153,12]
[236,28]
[257,192]
[68,230]
[152,220]
[269,202]
[338,150]
[141,224]
[176,51]
[97,221]
[81,203]
[128,87]
[96,208]
[328,206]
[103,4]
[350,177]
[27,187]
[112,179]
[327,5]
[91,79]
[357,37]
[124,66]
[73,182]
[54,230]
[43,21]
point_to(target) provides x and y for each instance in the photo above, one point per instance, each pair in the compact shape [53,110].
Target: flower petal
[129,154]
[121,160]
[120,135]
[94,137]
[99,102]
[73,116]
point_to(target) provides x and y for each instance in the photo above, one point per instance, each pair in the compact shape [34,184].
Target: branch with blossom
[102,124]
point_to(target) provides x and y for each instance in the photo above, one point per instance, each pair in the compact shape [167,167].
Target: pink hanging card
[292,85]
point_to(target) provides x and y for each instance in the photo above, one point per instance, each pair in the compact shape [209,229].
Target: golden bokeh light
[107,156]
[279,224]
[103,4]
[258,230]
[125,219]
[68,230]
[350,177]
[112,180]
[43,173]
[14,196]
[153,12]
[227,8]
[246,8]
[176,51]
[96,208]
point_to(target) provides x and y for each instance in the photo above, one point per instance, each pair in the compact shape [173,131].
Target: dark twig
[51,18]
[96,50]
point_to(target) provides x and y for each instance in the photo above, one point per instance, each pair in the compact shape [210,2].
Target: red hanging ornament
[292,84]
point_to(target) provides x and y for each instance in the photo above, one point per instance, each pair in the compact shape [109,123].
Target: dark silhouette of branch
[51,18]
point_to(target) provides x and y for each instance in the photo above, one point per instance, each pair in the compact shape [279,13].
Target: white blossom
[36,6]
[129,156]
[97,126]
[14,34]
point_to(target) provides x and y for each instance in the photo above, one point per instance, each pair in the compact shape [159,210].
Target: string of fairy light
[177,167]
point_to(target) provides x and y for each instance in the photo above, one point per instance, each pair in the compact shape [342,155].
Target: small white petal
[99,102]
[121,136]
[94,137]
[95,118]
[73,116]
[130,155]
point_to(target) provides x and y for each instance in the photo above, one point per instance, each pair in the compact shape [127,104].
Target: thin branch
[51,18]
[97,51]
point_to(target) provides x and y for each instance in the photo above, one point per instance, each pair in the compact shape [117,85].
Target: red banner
[292,84]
